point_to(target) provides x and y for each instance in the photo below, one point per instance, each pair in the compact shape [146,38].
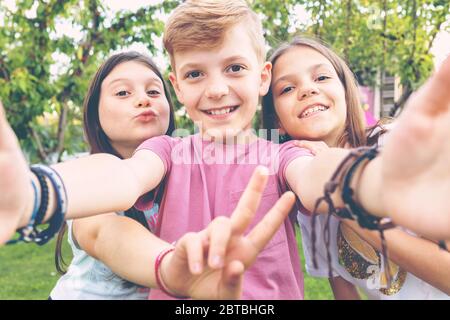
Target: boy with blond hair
[217,55]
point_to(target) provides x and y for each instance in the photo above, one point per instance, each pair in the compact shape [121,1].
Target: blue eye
[193,74]
[235,68]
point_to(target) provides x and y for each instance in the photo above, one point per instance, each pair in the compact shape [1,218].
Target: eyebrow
[152,79]
[310,69]
[190,66]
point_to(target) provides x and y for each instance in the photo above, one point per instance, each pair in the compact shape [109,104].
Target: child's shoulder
[165,139]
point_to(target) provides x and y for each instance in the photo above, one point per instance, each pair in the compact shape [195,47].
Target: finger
[433,98]
[233,279]
[249,201]
[268,226]
[192,244]
[219,234]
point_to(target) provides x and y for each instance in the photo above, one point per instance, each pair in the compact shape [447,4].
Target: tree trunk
[40,148]
[62,124]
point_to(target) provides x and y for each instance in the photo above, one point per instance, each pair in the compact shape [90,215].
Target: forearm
[343,290]
[418,256]
[308,181]
[94,184]
[128,249]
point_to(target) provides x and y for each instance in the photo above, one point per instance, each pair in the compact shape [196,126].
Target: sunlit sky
[440,50]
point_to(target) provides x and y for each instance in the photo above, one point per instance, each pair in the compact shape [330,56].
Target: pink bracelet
[159,281]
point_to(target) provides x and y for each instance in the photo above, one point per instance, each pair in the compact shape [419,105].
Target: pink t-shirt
[204,180]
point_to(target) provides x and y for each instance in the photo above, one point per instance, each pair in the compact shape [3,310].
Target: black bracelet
[57,219]
[342,176]
[44,195]
[364,219]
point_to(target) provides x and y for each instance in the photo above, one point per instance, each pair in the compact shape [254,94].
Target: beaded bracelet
[158,278]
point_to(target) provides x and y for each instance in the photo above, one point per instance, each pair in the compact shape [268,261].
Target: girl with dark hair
[127,102]
[314,96]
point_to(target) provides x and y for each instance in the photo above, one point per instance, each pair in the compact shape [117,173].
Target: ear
[174,81]
[266,77]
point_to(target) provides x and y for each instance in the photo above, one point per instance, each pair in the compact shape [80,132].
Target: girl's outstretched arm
[343,290]
[410,180]
[95,184]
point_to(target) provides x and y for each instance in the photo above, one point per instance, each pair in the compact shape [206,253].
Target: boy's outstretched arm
[410,180]
[208,264]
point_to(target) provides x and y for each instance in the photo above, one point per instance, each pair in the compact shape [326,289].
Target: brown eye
[287,89]
[153,93]
[122,93]
[322,78]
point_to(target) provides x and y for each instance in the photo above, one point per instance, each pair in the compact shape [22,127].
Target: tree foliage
[45,106]
[43,98]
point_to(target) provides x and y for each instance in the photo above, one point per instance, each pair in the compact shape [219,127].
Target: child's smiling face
[220,87]
[308,96]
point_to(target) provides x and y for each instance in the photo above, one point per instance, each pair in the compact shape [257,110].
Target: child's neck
[125,151]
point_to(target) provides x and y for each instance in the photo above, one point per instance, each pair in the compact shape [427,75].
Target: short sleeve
[162,146]
[288,152]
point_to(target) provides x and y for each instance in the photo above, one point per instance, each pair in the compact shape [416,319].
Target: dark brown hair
[96,137]
[355,133]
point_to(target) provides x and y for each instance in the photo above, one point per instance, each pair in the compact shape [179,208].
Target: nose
[143,100]
[307,91]
[216,89]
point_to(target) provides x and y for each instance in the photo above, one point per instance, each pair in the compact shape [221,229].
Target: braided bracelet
[353,211]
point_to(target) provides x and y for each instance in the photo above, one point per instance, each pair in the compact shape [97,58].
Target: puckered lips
[221,112]
[146,116]
[312,109]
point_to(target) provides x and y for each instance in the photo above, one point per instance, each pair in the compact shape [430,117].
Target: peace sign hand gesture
[227,251]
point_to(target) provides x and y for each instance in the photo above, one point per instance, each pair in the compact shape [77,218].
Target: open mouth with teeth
[313,110]
[220,111]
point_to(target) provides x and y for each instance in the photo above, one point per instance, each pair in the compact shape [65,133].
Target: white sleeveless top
[89,279]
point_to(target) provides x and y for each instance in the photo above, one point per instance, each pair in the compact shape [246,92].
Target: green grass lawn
[27,271]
